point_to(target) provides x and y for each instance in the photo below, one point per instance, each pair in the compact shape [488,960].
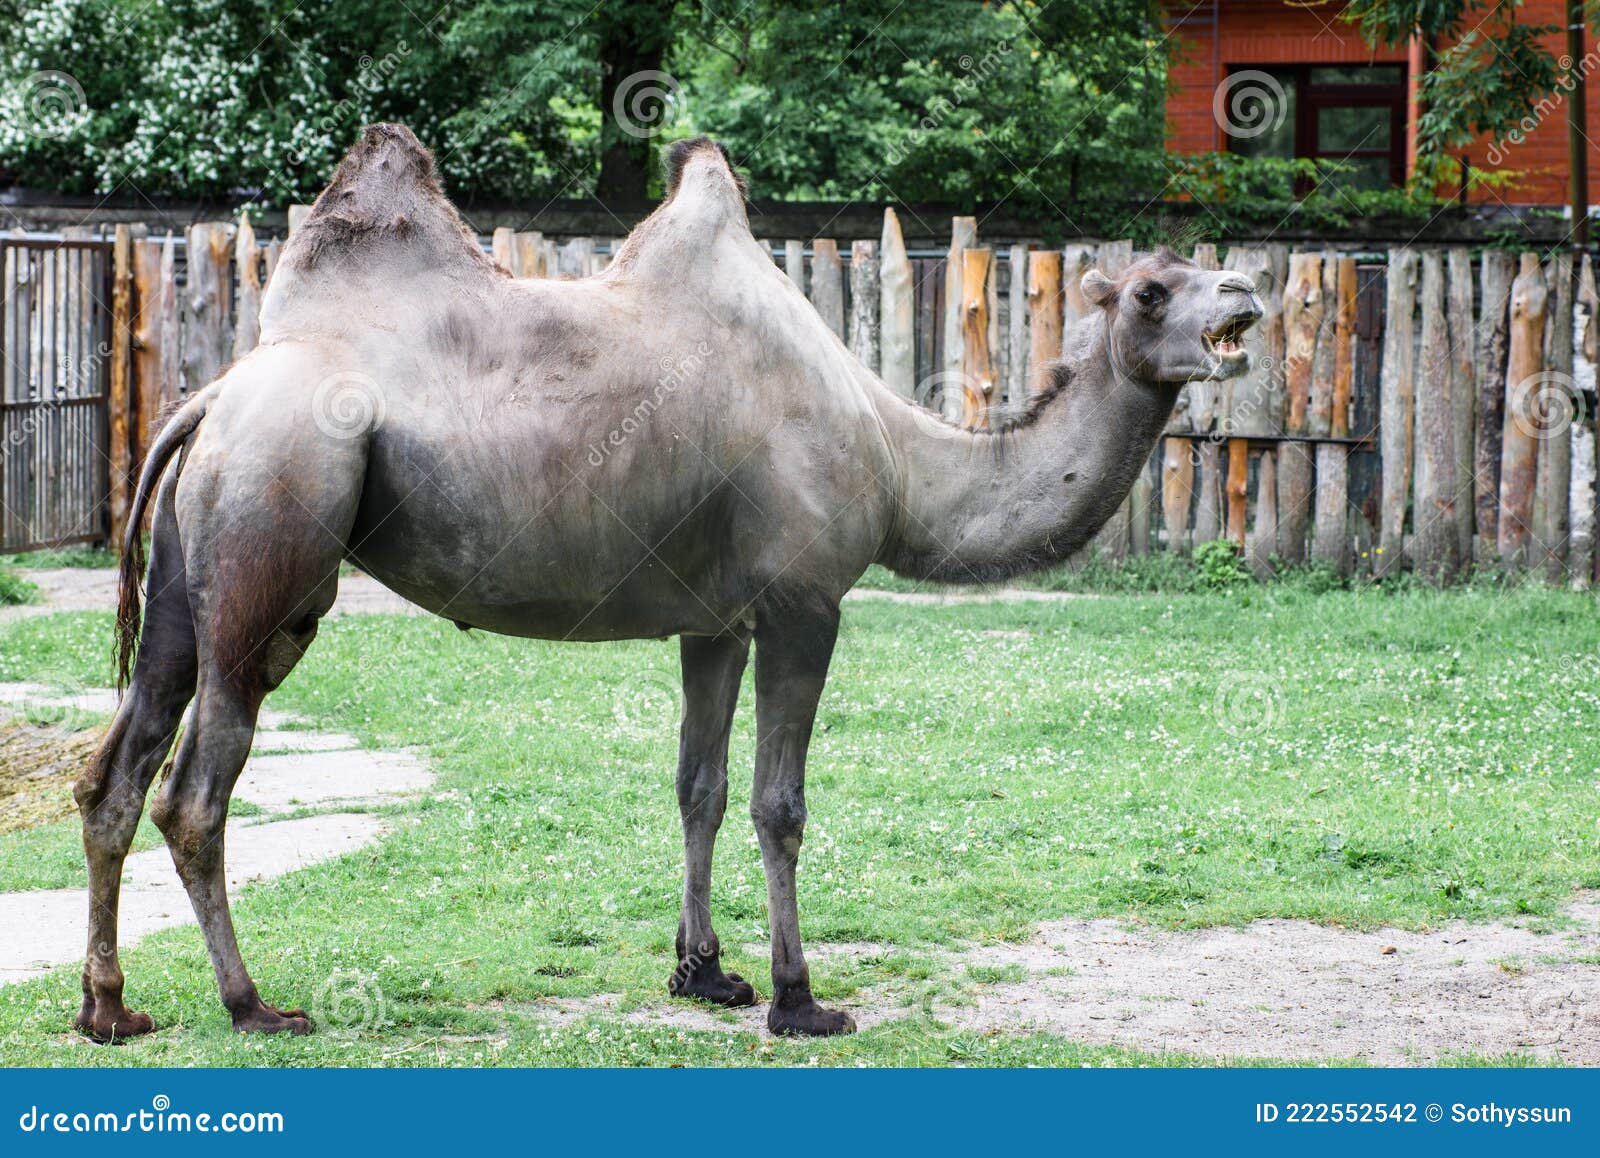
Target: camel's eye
[1150,294]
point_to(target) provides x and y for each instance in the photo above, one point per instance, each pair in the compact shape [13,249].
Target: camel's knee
[703,789]
[780,820]
[192,828]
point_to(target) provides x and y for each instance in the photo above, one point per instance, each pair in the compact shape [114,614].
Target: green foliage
[1219,564]
[14,589]
[944,100]
[1492,74]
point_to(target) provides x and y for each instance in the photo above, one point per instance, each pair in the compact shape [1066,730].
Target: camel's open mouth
[1227,343]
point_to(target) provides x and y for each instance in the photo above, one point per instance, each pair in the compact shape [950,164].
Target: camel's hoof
[710,983]
[108,1024]
[808,1019]
[266,1019]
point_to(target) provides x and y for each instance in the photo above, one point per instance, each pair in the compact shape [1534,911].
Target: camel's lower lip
[1224,346]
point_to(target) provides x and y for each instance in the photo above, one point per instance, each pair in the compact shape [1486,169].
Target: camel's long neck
[979,507]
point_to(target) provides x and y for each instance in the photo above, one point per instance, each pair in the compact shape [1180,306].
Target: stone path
[95,589]
[289,771]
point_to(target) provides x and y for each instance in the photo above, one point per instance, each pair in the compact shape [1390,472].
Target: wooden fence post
[963,235]
[1498,268]
[1463,392]
[1177,490]
[120,402]
[1254,402]
[500,246]
[146,382]
[864,303]
[897,335]
[1435,546]
[827,283]
[1558,410]
[977,369]
[1264,536]
[1303,309]
[576,257]
[1204,404]
[1395,407]
[794,263]
[1319,411]
[1581,550]
[1139,500]
[1519,444]
[1238,488]
[207,339]
[1017,325]
[1076,260]
[1330,530]
[1044,315]
[247,300]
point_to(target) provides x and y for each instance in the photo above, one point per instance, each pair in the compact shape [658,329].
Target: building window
[1353,114]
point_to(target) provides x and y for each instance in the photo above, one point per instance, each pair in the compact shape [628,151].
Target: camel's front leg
[791,667]
[712,669]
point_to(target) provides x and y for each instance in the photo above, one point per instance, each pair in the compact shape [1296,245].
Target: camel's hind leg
[711,672]
[266,503]
[111,792]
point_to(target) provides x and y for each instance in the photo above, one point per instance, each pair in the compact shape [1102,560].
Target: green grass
[15,590]
[58,557]
[1355,757]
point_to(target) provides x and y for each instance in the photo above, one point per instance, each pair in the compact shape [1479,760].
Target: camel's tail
[172,437]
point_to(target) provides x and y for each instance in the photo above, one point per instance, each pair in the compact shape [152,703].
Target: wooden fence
[1417,407]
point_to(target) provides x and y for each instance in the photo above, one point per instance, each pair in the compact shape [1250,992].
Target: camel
[678,445]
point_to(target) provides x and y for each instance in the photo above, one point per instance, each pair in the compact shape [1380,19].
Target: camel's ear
[1097,287]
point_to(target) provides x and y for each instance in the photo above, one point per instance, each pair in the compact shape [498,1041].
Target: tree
[945,100]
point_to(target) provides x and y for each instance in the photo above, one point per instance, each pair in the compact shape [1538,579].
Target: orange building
[1270,77]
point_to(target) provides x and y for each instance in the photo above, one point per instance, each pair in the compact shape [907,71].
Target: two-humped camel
[676,446]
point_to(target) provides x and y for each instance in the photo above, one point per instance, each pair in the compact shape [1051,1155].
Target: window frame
[1311,98]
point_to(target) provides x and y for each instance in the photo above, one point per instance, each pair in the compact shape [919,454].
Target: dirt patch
[38,765]
[1292,989]
[1271,989]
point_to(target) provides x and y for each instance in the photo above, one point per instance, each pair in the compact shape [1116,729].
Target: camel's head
[1171,322]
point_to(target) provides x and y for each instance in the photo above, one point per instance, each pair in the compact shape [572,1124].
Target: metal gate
[55,352]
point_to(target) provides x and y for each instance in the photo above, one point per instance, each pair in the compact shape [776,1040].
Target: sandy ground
[1272,989]
[91,589]
[289,772]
